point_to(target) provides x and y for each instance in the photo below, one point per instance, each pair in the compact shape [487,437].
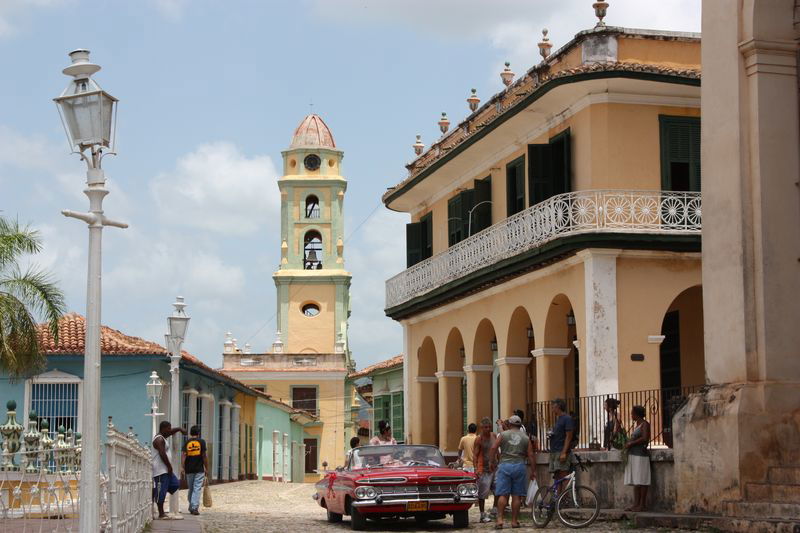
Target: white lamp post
[178,323]
[89,117]
[154,389]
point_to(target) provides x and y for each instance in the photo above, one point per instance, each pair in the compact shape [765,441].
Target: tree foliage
[25,297]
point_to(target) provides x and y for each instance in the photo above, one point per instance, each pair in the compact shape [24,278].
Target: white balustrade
[574,213]
[130,481]
[40,474]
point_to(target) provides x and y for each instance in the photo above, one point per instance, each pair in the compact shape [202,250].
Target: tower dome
[312,133]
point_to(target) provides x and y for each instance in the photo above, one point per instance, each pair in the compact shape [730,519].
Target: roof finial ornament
[473,101]
[418,146]
[507,75]
[545,45]
[444,123]
[600,9]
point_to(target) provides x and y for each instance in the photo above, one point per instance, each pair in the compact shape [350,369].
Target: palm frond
[16,240]
[38,293]
[19,346]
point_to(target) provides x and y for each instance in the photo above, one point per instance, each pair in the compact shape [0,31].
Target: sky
[210,94]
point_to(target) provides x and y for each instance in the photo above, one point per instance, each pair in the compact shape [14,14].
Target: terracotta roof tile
[397,360]
[72,340]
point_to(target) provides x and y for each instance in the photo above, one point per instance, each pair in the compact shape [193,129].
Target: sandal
[498,526]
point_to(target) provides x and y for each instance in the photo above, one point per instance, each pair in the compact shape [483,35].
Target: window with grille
[56,397]
[220,458]
[305,398]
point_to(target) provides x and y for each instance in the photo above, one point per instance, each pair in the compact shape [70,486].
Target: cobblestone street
[264,506]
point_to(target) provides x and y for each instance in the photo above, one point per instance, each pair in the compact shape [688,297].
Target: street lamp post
[154,389]
[178,323]
[89,117]
[469,216]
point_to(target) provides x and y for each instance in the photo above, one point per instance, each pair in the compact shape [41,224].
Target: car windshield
[395,456]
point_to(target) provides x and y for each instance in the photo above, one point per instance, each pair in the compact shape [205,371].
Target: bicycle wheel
[578,507]
[542,507]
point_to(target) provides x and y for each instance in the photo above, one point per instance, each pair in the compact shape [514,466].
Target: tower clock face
[311,162]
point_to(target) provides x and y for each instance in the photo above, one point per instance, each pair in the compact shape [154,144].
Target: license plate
[417,506]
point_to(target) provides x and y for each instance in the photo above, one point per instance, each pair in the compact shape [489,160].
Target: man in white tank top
[164,479]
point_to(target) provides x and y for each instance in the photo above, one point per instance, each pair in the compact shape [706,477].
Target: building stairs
[772,506]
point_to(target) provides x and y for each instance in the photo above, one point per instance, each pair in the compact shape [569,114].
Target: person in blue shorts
[514,448]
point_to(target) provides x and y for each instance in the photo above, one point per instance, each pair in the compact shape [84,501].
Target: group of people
[194,464]
[505,461]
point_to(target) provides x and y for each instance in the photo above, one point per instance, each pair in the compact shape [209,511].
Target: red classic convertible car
[397,481]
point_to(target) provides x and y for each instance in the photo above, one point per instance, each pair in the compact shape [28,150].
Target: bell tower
[312,285]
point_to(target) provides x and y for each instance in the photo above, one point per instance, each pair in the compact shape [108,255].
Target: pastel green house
[387,394]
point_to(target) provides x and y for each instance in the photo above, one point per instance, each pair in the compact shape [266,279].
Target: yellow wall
[678,54]
[247,415]
[311,334]
[614,146]
[331,410]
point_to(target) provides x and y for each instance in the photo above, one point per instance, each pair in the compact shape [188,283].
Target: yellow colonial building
[554,243]
[309,360]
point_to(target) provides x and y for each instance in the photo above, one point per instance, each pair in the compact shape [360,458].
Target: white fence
[573,213]
[40,477]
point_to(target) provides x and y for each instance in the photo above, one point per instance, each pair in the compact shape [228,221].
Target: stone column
[450,410]
[226,438]
[513,383]
[208,433]
[751,281]
[550,382]
[235,440]
[600,294]
[479,392]
[427,411]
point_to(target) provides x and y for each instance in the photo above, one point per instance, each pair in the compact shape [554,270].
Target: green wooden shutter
[467,202]
[561,162]
[413,244]
[680,149]
[426,236]
[540,173]
[515,186]
[377,413]
[454,223]
[397,416]
[482,216]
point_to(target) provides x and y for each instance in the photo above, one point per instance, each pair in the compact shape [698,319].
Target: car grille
[416,492]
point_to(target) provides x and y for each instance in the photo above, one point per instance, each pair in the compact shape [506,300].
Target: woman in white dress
[637,471]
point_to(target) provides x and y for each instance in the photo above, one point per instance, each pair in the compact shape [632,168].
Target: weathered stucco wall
[605,476]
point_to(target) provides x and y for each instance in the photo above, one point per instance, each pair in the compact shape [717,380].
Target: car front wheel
[334,517]
[461,519]
[357,520]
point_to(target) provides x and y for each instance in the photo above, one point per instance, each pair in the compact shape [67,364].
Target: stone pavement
[271,507]
[189,524]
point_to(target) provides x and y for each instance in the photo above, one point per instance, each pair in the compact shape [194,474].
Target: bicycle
[576,505]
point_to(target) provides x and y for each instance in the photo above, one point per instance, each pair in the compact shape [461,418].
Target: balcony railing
[660,406]
[580,212]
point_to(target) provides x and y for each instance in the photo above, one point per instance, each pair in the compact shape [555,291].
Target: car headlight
[366,493]
[467,489]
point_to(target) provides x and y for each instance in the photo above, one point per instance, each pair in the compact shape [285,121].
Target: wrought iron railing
[589,211]
[660,406]
[40,478]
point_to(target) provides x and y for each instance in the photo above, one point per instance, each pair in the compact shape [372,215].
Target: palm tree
[24,297]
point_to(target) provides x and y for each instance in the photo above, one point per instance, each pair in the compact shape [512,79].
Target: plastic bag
[533,488]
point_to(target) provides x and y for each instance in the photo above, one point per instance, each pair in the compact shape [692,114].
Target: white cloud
[374,254]
[12,10]
[170,9]
[217,188]
[512,27]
